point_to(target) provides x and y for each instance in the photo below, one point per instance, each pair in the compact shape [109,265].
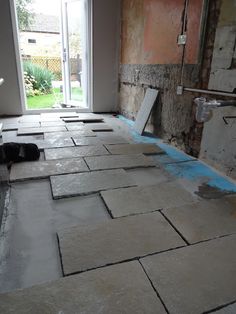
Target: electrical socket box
[182,39]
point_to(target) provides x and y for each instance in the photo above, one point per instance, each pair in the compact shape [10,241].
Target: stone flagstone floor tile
[60,135]
[113,139]
[136,200]
[71,152]
[43,169]
[197,278]
[89,126]
[205,219]
[40,130]
[88,183]
[116,289]
[125,149]
[54,143]
[91,246]
[118,161]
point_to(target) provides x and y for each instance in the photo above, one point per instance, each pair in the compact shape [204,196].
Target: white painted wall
[106,40]
[10,100]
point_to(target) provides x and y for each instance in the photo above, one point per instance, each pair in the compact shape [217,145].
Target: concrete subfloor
[196,278]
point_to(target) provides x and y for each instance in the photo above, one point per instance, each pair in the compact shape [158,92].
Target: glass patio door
[75,52]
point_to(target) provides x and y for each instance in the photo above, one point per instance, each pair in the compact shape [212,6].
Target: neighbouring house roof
[44,24]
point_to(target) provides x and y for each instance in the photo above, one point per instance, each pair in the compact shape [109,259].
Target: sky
[49,7]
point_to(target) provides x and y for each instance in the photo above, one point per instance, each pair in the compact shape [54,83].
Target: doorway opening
[54,40]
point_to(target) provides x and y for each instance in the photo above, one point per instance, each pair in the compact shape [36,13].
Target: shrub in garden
[37,78]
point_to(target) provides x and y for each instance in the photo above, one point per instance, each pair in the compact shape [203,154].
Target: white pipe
[209,92]
[1,81]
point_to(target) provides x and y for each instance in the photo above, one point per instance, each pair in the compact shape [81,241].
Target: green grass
[48,100]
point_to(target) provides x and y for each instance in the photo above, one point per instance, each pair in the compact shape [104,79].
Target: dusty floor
[162,243]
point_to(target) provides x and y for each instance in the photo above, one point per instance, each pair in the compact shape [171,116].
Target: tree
[24,15]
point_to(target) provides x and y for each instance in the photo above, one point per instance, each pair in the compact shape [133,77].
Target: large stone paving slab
[197,278]
[54,143]
[43,169]
[68,134]
[118,161]
[70,152]
[88,183]
[52,123]
[91,246]
[112,139]
[16,126]
[230,309]
[204,220]
[126,149]
[89,126]
[84,118]
[116,289]
[40,130]
[136,200]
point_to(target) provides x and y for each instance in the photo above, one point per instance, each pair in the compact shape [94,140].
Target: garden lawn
[48,100]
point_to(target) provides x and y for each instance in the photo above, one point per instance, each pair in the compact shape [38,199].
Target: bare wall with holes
[218,145]
[151,56]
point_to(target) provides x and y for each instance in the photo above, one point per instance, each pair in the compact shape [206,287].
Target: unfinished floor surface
[195,279]
[44,169]
[115,241]
[72,152]
[129,292]
[83,184]
[136,200]
[119,161]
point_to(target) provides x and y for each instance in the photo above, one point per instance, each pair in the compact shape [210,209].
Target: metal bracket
[182,39]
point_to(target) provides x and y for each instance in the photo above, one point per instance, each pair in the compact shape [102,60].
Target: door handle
[64,55]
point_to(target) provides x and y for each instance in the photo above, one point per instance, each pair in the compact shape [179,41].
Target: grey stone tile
[118,161]
[91,246]
[16,126]
[10,137]
[29,118]
[71,152]
[145,110]
[40,130]
[72,211]
[116,289]
[230,309]
[205,219]
[54,143]
[89,126]
[43,169]
[126,149]
[68,134]
[136,200]
[53,116]
[196,278]
[112,139]
[52,123]
[88,183]
[87,141]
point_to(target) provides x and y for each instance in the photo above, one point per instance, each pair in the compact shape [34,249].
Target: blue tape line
[190,170]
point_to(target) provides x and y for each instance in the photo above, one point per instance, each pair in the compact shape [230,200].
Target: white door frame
[19,64]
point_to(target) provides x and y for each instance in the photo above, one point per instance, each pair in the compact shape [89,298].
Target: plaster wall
[10,100]
[218,146]
[151,56]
